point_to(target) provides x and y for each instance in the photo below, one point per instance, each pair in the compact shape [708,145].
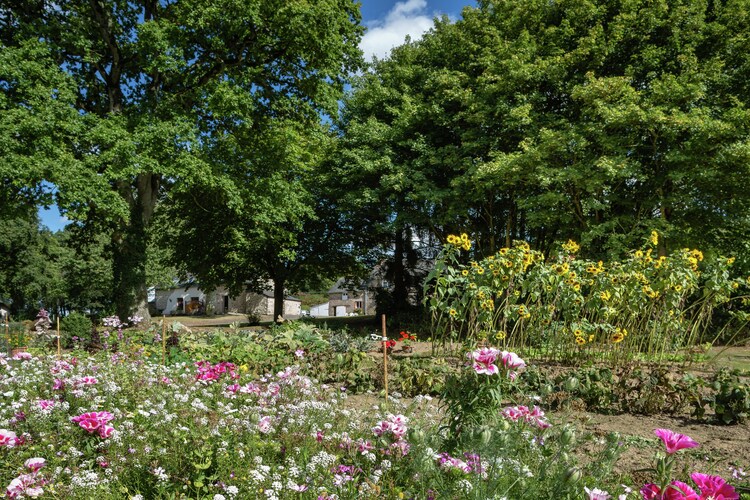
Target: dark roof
[342,285]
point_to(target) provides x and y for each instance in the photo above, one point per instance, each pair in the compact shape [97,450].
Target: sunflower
[654,238]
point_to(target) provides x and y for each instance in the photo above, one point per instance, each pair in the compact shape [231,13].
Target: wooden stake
[59,351]
[385,360]
[7,330]
[164,340]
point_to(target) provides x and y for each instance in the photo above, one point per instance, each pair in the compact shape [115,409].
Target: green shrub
[75,330]
[730,401]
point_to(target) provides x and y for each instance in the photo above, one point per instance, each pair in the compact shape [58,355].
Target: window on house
[344,296]
[358,304]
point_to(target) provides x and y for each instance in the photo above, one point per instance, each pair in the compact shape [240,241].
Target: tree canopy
[543,121]
[154,82]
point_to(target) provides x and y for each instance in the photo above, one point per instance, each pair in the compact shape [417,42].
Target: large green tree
[266,216]
[154,82]
[537,120]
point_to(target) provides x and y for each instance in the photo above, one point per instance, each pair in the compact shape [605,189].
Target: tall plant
[642,303]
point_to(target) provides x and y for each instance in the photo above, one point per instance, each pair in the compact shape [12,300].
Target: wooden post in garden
[7,330]
[59,351]
[164,340]
[385,360]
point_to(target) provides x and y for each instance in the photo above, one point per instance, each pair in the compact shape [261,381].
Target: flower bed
[121,426]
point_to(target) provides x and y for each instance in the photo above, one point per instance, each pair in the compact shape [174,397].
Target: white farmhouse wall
[319,311]
[292,308]
[167,300]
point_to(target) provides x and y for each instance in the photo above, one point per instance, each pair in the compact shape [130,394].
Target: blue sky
[388,22]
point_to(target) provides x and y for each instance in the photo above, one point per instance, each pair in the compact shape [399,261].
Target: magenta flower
[95,421]
[89,424]
[676,490]
[46,404]
[86,381]
[714,487]
[105,431]
[484,360]
[674,441]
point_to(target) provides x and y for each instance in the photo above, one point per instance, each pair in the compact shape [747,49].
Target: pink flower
[101,416]
[676,490]
[714,487]
[59,384]
[23,356]
[46,404]
[105,431]
[8,438]
[597,494]
[95,420]
[299,353]
[512,361]
[533,417]
[393,425]
[484,360]
[89,424]
[34,464]
[673,441]
[24,485]
[264,425]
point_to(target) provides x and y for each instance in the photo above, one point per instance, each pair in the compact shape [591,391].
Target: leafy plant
[730,401]
[75,328]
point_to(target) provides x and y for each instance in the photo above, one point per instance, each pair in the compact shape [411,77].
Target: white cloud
[405,18]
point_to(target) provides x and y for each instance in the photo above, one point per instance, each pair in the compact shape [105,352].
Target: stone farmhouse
[347,300]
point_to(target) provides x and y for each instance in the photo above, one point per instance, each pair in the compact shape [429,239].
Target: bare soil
[721,446]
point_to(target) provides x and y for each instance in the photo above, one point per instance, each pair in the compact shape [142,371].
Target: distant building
[189,298]
[319,311]
[344,299]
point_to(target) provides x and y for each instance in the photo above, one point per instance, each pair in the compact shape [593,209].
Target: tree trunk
[130,248]
[399,275]
[278,298]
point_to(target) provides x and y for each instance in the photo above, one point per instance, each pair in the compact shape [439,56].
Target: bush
[730,399]
[75,329]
